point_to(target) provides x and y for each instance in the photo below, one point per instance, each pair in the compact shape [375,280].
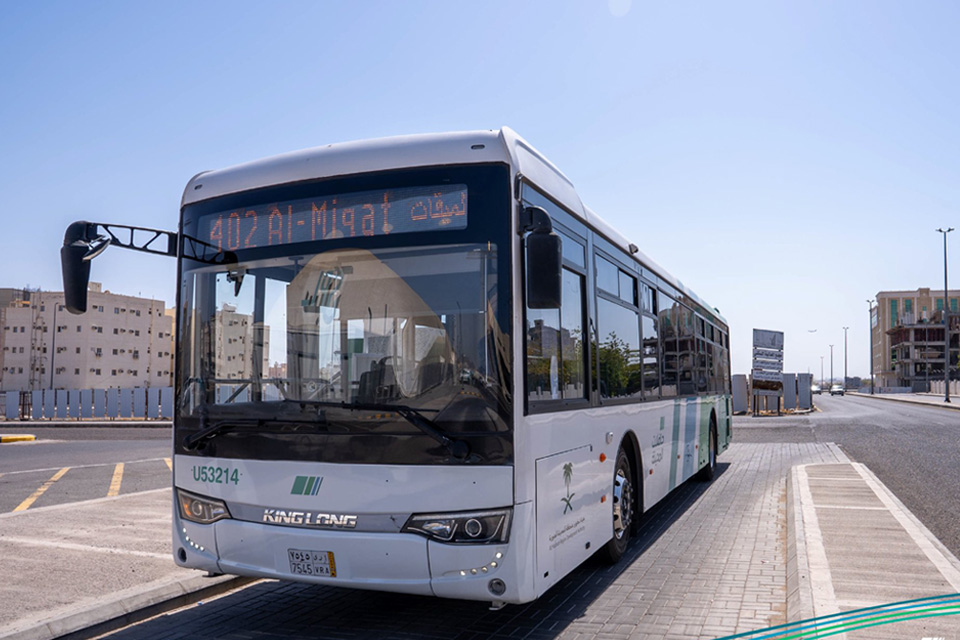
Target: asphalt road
[914,450]
[32,473]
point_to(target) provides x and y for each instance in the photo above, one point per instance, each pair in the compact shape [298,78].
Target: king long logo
[567,478]
[309,519]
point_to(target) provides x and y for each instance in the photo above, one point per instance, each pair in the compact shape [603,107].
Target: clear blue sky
[787,160]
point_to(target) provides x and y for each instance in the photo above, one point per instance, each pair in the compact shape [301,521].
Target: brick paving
[710,561]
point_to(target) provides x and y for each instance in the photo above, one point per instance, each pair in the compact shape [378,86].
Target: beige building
[908,339]
[234,341]
[121,341]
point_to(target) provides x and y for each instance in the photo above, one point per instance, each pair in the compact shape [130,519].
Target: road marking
[82,547]
[115,482]
[82,466]
[939,555]
[169,463]
[23,506]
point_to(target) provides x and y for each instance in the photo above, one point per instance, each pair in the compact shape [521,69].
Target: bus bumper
[396,562]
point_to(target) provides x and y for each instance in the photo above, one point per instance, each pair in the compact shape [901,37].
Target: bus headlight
[200,509]
[474,527]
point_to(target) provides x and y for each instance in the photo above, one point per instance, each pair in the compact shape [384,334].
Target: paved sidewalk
[912,398]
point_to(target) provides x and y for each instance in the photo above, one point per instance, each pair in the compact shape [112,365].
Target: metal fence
[154,403]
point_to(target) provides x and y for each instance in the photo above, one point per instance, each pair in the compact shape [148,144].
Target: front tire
[623,508]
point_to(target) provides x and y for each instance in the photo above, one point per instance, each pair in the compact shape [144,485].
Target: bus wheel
[710,471]
[623,502]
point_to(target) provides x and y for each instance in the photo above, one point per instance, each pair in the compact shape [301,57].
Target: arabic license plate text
[305,562]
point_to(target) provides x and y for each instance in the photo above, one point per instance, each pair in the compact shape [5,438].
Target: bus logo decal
[306,485]
[567,477]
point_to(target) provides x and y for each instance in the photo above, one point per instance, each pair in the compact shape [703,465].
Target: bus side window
[555,346]
[651,358]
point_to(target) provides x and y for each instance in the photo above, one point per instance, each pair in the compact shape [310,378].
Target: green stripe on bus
[675,442]
[298,485]
[310,482]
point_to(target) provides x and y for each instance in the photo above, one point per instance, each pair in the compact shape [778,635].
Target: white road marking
[32,542]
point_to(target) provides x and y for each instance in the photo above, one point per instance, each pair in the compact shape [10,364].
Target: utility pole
[946,321]
[845,357]
[831,364]
[870,303]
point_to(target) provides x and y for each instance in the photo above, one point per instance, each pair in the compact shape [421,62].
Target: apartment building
[234,345]
[907,332]
[122,341]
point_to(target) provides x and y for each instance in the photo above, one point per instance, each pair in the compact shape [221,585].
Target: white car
[836,390]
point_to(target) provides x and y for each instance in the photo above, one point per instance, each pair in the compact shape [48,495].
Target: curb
[17,438]
[799,589]
[128,607]
[891,398]
[80,424]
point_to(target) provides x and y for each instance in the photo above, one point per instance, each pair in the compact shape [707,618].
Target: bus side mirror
[544,260]
[81,244]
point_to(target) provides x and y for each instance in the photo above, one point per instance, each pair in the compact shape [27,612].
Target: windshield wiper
[194,440]
[457,448]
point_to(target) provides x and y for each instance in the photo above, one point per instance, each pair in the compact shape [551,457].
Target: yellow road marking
[117,479]
[169,463]
[23,506]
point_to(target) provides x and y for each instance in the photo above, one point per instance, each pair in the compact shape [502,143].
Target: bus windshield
[310,341]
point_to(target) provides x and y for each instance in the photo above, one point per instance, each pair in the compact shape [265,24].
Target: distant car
[816,389]
[836,390]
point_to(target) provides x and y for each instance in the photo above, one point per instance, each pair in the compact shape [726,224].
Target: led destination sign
[345,215]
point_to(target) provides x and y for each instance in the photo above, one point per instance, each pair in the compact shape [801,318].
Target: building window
[116,309]
[939,304]
[114,352]
[894,319]
[116,331]
[76,372]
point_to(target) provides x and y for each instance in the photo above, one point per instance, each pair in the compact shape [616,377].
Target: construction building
[121,341]
[908,337]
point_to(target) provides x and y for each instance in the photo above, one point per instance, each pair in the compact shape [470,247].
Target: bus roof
[399,152]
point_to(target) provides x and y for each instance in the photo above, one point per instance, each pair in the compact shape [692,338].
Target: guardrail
[146,403]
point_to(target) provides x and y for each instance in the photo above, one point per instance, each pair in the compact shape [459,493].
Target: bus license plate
[304,562]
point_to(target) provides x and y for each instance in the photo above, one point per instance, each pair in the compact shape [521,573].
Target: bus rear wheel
[623,508]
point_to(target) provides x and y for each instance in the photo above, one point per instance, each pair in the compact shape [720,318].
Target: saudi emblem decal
[567,477]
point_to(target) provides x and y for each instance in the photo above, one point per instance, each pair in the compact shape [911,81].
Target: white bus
[421,365]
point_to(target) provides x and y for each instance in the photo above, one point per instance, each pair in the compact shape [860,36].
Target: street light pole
[946,321]
[870,302]
[831,365]
[845,357]
[821,372]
